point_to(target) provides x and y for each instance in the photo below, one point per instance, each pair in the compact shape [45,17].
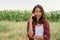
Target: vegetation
[17,30]
[19,15]
[13,24]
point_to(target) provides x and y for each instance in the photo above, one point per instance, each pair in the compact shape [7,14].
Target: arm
[47,31]
[29,27]
[29,30]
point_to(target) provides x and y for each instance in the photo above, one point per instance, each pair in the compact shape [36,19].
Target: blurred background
[14,15]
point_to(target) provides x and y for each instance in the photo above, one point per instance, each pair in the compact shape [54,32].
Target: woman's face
[38,13]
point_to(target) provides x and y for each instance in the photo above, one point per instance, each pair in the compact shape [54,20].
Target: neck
[37,20]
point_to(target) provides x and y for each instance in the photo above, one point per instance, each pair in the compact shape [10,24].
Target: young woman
[38,26]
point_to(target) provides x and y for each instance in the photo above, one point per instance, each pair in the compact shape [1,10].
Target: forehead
[37,9]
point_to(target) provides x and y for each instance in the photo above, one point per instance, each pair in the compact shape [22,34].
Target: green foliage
[19,15]
[26,15]
[53,16]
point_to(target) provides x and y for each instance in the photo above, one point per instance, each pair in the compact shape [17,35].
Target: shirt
[39,30]
[46,33]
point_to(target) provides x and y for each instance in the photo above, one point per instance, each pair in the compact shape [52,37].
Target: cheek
[40,14]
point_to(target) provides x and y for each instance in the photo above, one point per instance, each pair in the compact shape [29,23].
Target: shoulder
[28,22]
[46,23]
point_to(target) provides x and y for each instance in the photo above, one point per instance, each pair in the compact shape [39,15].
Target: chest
[39,30]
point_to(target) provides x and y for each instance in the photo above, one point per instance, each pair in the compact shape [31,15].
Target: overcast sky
[48,5]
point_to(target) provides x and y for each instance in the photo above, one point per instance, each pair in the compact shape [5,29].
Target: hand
[38,37]
[31,17]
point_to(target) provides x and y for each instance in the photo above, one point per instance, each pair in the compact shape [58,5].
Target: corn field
[53,15]
[19,15]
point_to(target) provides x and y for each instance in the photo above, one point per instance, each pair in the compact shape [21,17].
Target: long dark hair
[42,18]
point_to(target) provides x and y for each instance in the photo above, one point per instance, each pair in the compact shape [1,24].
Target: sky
[48,5]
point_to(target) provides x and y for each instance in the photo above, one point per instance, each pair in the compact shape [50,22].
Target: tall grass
[13,30]
[17,30]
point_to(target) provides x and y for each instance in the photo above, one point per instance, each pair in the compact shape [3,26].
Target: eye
[36,11]
[40,11]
